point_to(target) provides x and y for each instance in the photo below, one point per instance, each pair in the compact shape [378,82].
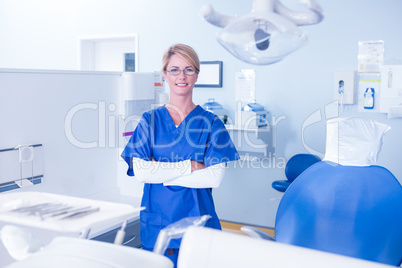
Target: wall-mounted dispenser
[344,86]
[390,100]
[369,98]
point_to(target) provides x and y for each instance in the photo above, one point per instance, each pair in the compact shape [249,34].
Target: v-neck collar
[170,119]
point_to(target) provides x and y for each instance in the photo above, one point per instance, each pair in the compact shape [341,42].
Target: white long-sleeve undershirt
[178,173]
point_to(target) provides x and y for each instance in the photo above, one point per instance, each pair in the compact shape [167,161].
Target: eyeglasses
[187,71]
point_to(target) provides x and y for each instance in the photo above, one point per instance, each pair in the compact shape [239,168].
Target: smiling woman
[180,152]
[181,78]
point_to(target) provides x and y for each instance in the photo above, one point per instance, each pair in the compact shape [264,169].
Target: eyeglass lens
[187,71]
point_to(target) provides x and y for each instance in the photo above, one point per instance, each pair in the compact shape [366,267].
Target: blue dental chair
[344,204]
[347,210]
[294,167]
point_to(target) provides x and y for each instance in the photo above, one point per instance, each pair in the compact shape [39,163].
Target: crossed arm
[186,173]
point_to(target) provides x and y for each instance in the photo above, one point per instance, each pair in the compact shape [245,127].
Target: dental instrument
[120,234]
[55,214]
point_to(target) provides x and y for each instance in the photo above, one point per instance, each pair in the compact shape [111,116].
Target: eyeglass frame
[184,71]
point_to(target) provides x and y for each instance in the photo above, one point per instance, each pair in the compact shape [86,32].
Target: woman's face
[181,84]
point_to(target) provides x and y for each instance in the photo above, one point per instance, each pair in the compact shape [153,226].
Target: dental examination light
[265,35]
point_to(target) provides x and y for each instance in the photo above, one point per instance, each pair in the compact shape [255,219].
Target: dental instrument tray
[55,210]
[62,213]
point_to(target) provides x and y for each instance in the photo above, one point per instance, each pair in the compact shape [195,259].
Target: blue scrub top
[201,137]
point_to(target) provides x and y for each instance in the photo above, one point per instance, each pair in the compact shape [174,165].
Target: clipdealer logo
[106,128]
[110,125]
[331,110]
[80,132]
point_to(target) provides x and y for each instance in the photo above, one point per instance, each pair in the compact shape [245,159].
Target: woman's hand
[196,165]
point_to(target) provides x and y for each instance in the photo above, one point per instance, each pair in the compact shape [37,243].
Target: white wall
[43,34]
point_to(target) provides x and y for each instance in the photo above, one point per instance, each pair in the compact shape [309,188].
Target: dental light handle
[118,240]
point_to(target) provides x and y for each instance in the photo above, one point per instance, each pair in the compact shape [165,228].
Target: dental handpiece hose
[118,240]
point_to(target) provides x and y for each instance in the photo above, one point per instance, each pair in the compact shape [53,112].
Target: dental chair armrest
[256,233]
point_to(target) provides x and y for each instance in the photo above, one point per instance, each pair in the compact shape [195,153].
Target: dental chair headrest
[354,141]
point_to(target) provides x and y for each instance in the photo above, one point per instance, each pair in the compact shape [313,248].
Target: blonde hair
[184,51]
